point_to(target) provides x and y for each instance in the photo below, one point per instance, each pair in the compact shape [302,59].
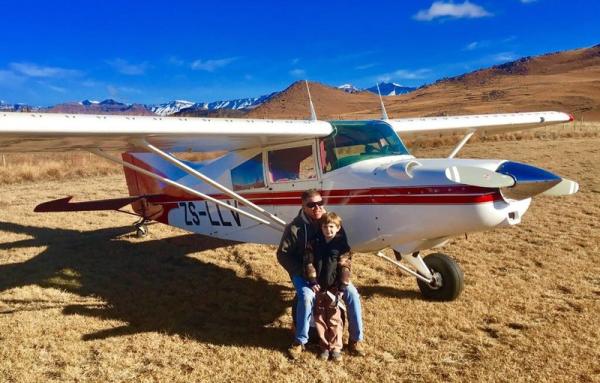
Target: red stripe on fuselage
[439,195]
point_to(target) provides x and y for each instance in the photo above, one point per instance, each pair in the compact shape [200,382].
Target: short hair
[331,217]
[309,193]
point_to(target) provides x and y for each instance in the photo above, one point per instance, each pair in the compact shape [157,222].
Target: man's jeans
[304,309]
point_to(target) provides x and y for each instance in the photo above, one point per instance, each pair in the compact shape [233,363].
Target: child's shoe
[336,356]
[324,355]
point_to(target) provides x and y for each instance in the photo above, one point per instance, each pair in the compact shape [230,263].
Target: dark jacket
[297,236]
[328,264]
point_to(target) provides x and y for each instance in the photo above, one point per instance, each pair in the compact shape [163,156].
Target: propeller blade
[474,176]
[564,187]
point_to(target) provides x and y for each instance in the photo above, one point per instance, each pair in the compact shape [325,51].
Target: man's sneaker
[336,356]
[357,348]
[324,355]
[295,350]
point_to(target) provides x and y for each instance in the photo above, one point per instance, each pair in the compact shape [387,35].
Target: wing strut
[461,144]
[187,189]
[181,165]
[384,115]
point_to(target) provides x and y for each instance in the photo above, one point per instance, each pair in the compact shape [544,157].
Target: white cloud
[471,46]
[449,9]
[477,45]
[503,57]
[56,88]
[405,74]
[365,66]
[212,65]
[298,72]
[124,67]
[33,70]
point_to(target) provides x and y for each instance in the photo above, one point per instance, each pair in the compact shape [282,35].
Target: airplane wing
[46,132]
[488,123]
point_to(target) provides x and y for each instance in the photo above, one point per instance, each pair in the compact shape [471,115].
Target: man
[296,237]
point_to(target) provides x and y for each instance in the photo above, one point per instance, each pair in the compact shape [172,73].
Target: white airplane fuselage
[381,203]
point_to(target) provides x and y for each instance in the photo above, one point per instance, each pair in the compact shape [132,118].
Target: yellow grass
[33,167]
[82,299]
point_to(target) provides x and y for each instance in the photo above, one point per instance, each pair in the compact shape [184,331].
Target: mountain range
[566,81]
[183,107]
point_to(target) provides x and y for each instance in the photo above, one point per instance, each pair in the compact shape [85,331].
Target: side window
[292,164]
[248,175]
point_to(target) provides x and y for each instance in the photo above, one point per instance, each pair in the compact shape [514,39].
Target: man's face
[313,207]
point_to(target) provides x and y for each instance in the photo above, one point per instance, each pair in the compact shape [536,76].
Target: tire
[141,231]
[450,274]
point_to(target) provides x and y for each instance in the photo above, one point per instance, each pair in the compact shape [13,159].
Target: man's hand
[315,288]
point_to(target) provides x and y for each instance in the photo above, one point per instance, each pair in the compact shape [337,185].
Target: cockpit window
[354,141]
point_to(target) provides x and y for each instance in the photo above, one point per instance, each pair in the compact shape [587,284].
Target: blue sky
[152,51]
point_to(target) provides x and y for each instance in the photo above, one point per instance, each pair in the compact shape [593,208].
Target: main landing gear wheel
[448,279]
[141,229]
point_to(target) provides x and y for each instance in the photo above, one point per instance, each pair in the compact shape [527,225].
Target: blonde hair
[331,217]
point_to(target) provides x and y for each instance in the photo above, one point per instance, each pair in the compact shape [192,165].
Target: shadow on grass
[151,285]
[390,292]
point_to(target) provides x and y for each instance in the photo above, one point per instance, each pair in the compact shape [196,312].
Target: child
[327,268]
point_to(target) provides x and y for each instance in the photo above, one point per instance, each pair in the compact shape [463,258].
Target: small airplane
[387,197]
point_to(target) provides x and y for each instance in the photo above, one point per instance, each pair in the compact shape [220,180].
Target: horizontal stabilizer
[63,204]
[474,176]
[565,187]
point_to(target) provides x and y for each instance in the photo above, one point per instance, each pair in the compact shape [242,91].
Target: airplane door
[290,171]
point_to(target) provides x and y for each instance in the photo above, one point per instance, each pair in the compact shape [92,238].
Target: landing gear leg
[443,279]
[141,229]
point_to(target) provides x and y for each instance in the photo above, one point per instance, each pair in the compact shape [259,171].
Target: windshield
[354,141]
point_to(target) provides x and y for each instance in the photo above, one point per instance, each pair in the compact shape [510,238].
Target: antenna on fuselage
[313,115]
[384,115]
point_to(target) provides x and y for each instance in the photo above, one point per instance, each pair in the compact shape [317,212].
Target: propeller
[515,180]
[564,187]
[474,176]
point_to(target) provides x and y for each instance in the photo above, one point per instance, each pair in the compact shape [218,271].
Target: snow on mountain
[17,107]
[237,104]
[89,102]
[348,88]
[391,89]
[170,107]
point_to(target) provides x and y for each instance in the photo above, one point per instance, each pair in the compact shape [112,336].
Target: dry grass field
[83,299]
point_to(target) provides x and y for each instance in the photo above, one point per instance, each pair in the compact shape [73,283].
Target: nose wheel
[447,279]
[439,276]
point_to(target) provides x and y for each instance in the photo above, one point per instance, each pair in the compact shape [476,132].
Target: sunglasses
[312,205]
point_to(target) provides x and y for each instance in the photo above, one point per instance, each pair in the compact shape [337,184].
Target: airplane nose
[529,180]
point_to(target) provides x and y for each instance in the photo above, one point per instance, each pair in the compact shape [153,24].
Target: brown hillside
[566,81]
[330,103]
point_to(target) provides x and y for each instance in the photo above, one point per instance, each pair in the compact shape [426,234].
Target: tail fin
[139,184]
[142,185]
